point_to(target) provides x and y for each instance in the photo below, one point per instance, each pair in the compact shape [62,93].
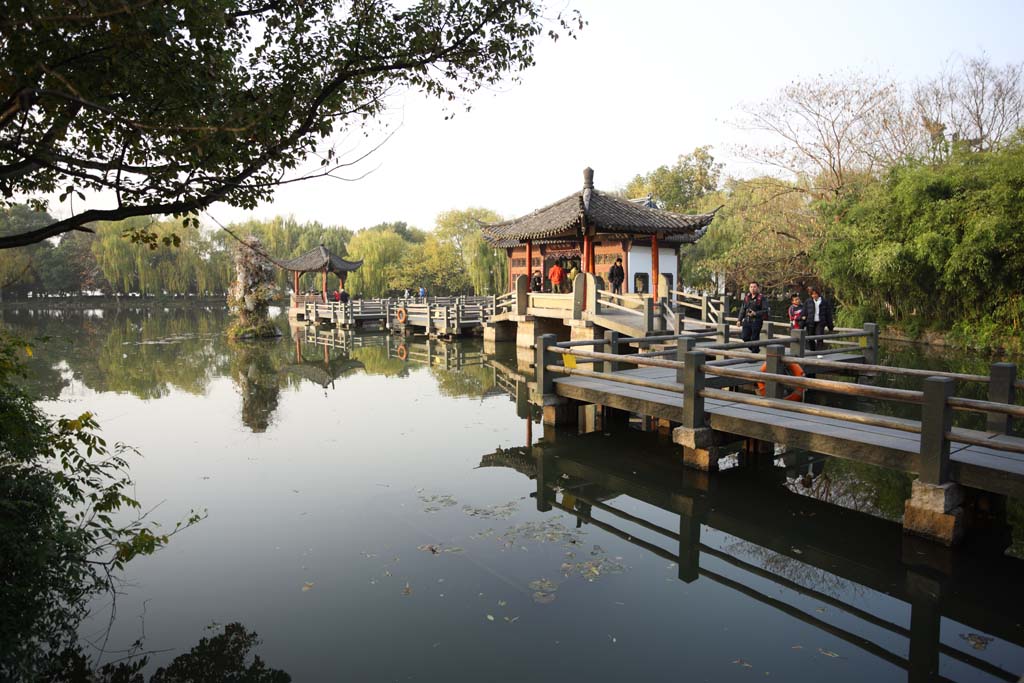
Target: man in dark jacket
[818,315]
[753,312]
[616,276]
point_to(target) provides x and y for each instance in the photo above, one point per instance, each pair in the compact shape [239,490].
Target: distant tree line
[450,259]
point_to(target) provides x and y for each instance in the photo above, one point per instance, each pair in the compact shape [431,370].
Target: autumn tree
[485,267]
[166,108]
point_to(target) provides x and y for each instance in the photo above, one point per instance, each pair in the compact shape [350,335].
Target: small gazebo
[317,260]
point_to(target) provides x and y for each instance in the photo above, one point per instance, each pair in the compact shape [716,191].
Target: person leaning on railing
[616,276]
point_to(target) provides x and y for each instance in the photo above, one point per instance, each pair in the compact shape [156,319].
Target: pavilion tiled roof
[318,259]
[606,213]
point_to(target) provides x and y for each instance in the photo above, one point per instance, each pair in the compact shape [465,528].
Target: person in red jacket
[557,275]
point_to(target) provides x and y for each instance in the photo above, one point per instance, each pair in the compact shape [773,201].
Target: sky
[646,81]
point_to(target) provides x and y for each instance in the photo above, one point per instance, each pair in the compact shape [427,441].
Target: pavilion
[593,228]
[316,260]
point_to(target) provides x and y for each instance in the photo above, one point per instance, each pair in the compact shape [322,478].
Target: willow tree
[168,107]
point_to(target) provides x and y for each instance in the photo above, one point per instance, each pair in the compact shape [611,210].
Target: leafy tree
[486,267]
[381,252]
[403,230]
[61,488]
[436,264]
[679,187]
[935,244]
[169,107]
[17,268]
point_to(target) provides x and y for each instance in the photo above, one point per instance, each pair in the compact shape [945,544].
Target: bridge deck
[975,466]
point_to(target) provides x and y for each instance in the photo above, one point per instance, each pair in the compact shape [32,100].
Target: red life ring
[402,315]
[401,351]
[797,394]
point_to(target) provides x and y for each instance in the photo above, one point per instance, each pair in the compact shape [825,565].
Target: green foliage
[381,251]
[680,186]
[485,267]
[63,527]
[175,106]
[934,245]
[763,232]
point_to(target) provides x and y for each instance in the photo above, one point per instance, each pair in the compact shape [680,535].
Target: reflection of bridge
[936,583]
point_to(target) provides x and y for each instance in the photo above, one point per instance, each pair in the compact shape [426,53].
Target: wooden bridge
[705,390]
[862,550]
[434,316]
[590,310]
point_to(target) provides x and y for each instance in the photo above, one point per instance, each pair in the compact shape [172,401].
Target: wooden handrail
[978,406]
[811,409]
[848,388]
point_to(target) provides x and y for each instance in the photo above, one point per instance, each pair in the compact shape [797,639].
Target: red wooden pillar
[586,254]
[654,265]
[529,265]
[295,282]
[325,285]
[591,259]
[511,283]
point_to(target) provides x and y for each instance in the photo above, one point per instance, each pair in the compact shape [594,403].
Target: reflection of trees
[473,381]
[255,373]
[144,352]
[375,361]
[857,486]
[221,658]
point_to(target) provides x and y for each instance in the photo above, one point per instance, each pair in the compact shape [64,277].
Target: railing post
[936,421]
[648,314]
[723,311]
[1002,377]
[723,333]
[545,379]
[871,353]
[798,347]
[430,317]
[768,331]
[578,296]
[704,308]
[612,346]
[683,346]
[776,364]
[522,301]
[693,384]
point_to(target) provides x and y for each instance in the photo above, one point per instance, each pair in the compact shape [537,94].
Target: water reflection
[782,550]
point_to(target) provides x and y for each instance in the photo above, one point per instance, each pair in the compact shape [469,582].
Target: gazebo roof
[605,213]
[318,259]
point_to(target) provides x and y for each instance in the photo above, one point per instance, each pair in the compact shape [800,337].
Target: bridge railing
[937,399]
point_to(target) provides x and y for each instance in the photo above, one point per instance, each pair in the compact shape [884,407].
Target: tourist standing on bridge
[537,283]
[796,313]
[753,312]
[616,276]
[556,274]
[423,292]
[343,296]
[818,316]
[572,276]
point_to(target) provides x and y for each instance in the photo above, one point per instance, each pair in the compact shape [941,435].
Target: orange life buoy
[402,315]
[401,351]
[797,394]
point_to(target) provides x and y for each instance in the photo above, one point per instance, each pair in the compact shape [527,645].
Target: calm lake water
[374,518]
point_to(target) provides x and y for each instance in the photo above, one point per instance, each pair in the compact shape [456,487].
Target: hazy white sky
[646,81]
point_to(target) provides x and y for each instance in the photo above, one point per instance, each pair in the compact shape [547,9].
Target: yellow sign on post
[569,360]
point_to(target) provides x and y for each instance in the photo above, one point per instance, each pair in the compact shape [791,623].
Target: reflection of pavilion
[826,541]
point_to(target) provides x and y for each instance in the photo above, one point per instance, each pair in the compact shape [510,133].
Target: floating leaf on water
[501,603]
[307,586]
[797,551]
[744,663]
[797,647]
[490,617]
[976,640]
[407,590]
[613,638]
[542,598]
[453,549]
[828,653]
[429,547]
[544,585]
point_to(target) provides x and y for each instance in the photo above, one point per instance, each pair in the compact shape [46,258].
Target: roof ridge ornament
[588,178]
